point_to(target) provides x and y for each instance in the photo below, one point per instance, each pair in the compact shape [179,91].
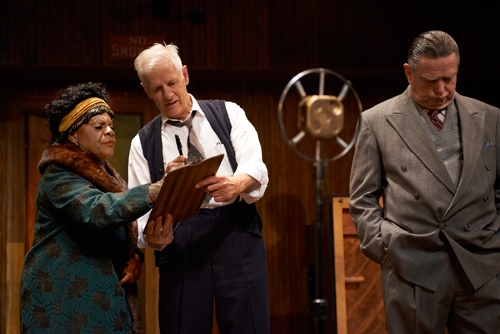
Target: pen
[179,145]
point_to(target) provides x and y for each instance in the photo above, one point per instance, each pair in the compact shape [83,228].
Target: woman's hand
[132,271]
[159,232]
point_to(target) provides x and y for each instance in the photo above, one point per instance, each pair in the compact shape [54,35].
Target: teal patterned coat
[85,232]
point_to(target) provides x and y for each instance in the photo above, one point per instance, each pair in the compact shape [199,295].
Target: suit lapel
[406,121]
[471,127]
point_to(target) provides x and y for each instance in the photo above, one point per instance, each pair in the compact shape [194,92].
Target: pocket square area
[488,145]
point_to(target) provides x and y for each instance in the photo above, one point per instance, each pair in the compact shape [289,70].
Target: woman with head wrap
[80,275]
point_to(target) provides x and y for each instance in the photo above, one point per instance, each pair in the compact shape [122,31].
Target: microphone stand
[319,304]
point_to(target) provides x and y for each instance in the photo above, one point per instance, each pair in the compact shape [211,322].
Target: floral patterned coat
[85,232]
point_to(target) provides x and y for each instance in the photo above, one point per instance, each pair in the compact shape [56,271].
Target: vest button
[416,196]
[404,168]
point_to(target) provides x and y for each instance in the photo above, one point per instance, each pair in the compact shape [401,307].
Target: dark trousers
[219,258]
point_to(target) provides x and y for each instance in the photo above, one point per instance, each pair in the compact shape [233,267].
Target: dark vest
[216,113]
[150,135]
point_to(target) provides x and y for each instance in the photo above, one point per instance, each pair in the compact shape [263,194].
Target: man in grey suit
[437,235]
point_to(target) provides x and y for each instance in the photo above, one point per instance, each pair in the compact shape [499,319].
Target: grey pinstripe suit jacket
[425,214]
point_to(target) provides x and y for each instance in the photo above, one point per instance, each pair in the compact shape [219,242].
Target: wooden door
[38,136]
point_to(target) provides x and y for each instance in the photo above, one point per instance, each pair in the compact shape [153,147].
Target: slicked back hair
[432,44]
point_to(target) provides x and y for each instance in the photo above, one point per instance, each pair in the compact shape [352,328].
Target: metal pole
[319,304]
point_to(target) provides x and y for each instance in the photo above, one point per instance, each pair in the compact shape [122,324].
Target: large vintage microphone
[321,117]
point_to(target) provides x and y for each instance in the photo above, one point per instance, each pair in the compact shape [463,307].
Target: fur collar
[97,171]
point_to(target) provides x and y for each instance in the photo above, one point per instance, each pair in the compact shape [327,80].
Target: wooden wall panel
[12,242]
[13,268]
[4,206]
[38,137]
[259,34]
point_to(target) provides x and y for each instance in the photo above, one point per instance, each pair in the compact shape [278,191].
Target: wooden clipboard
[178,196]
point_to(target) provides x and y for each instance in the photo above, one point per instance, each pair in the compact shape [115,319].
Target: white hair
[157,55]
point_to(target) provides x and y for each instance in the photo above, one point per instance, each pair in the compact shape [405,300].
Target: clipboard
[178,196]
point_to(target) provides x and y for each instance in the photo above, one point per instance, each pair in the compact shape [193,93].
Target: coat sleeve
[77,200]
[366,188]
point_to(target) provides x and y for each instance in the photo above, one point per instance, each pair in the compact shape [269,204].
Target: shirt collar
[195,106]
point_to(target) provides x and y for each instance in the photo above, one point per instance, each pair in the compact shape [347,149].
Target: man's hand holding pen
[176,163]
[180,160]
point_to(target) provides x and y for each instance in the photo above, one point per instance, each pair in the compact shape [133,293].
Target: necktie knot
[187,123]
[437,118]
[178,124]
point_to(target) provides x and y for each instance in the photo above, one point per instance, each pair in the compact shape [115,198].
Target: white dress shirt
[244,139]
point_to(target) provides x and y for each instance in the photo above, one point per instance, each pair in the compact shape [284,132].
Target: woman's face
[97,136]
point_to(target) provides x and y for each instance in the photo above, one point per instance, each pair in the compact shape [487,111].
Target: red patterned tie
[434,116]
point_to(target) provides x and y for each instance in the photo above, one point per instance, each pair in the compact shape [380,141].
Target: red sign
[129,47]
